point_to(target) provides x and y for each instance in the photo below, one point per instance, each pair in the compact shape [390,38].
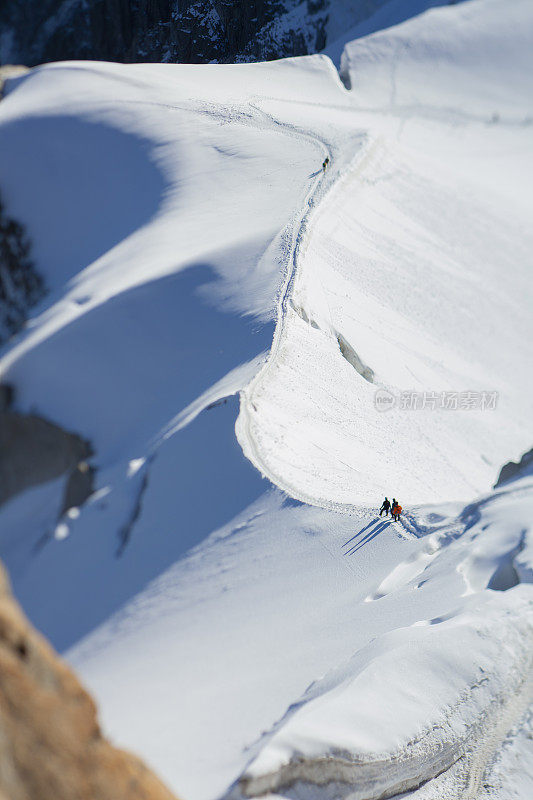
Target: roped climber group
[394,508]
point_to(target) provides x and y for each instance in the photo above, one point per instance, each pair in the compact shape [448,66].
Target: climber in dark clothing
[385,507]
[325,163]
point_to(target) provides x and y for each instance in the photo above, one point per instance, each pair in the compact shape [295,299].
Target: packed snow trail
[298,763]
[389,261]
[326,185]
[352,435]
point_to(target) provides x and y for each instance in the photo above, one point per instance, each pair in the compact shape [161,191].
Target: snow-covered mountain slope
[419,304]
[294,635]
[163,277]
[236,638]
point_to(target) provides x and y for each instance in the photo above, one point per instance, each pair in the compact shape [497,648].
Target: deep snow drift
[239,640]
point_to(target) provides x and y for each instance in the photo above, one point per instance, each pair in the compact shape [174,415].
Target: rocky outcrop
[191,31]
[34,451]
[51,746]
[513,470]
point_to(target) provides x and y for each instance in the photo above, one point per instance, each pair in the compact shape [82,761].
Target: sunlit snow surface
[239,640]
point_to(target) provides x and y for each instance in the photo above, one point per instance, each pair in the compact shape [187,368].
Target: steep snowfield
[417,262]
[242,641]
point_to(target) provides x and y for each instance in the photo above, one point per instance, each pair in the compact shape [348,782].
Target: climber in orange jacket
[396,511]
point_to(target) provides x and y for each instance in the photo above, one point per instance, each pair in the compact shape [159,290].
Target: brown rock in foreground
[51,747]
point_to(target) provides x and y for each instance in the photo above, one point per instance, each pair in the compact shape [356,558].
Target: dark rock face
[187,31]
[20,285]
[34,451]
[514,471]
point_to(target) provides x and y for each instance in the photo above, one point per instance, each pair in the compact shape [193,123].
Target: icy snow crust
[243,642]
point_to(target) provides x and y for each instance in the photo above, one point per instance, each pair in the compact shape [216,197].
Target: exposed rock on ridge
[51,746]
[514,470]
[195,31]
[34,451]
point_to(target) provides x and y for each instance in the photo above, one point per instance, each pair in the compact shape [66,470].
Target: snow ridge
[325,187]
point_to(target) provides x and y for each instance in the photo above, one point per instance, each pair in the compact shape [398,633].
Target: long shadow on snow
[198,479]
[105,186]
[381,525]
[119,373]
[360,532]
